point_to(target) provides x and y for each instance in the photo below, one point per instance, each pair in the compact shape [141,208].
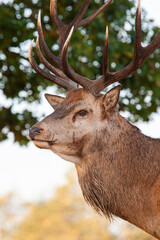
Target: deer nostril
[34,132]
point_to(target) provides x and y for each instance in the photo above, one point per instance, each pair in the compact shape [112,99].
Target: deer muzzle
[33,132]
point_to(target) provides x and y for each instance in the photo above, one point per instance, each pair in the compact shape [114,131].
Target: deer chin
[50,145]
[43,144]
[69,158]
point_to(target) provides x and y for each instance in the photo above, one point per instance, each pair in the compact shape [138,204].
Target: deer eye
[82,113]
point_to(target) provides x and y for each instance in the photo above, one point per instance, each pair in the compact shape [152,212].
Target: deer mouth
[43,143]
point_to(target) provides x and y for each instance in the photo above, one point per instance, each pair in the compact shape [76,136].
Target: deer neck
[117,173]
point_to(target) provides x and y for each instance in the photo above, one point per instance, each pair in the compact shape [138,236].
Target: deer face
[74,121]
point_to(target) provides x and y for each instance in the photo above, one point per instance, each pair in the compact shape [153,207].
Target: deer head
[74,120]
[87,129]
[74,116]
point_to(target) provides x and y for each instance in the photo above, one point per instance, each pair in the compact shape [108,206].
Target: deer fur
[118,167]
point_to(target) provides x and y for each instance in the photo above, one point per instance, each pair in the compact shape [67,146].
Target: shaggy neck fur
[119,172]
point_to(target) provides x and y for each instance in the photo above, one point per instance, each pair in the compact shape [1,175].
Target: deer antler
[65,31]
[66,77]
[140,55]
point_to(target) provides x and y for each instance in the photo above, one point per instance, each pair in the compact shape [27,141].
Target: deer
[118,167]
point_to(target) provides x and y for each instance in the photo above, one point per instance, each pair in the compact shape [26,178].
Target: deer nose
[35,131]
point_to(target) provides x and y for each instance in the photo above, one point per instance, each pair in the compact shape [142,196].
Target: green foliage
[19,83]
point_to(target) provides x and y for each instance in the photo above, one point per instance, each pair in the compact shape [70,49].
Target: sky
[152,8]
[34,173]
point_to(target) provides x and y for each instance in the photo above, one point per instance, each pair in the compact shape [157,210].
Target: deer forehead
[75,101]
[79,95]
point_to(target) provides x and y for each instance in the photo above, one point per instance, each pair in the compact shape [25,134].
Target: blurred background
[39,194]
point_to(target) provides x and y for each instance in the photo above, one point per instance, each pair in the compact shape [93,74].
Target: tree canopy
[19,84]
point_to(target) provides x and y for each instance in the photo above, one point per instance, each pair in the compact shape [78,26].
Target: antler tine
[80,14]
[54,15]
[46,63]
[153,45]
[89,19]
[68,85]
[53,58]
[138,31]
[105,66]
[84,82]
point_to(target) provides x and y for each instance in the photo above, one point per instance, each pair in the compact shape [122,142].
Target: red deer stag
[118,167]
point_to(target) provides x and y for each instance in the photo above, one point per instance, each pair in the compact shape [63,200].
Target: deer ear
[111,98]
[53,100]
